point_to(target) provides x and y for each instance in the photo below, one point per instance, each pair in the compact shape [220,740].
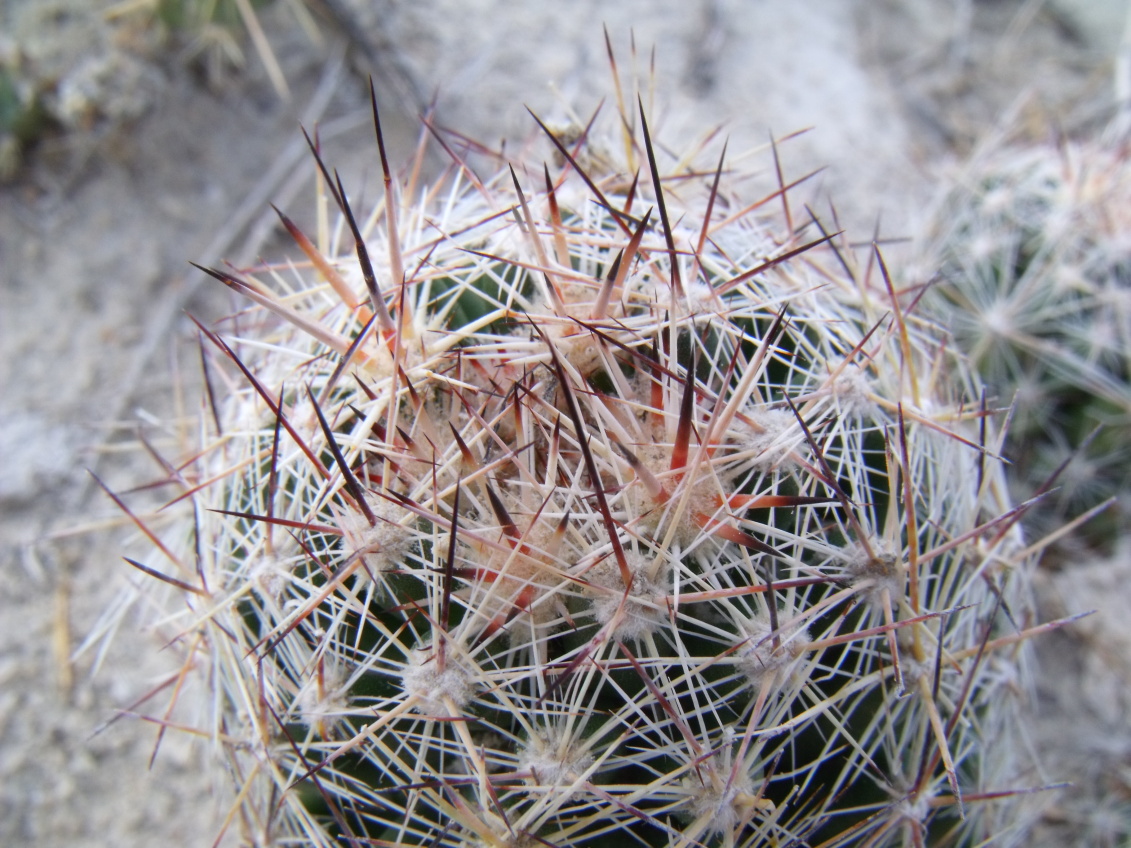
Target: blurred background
[138,135]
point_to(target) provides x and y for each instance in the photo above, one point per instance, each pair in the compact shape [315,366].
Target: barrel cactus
[592,501]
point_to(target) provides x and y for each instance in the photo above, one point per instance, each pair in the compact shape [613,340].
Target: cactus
[1032,276]
[591,501]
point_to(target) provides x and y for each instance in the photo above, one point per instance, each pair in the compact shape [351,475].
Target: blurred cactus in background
[1034,277]
[607,498]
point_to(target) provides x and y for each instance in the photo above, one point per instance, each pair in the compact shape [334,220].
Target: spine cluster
[593,502]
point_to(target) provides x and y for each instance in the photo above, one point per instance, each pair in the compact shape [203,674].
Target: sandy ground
[98,225]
